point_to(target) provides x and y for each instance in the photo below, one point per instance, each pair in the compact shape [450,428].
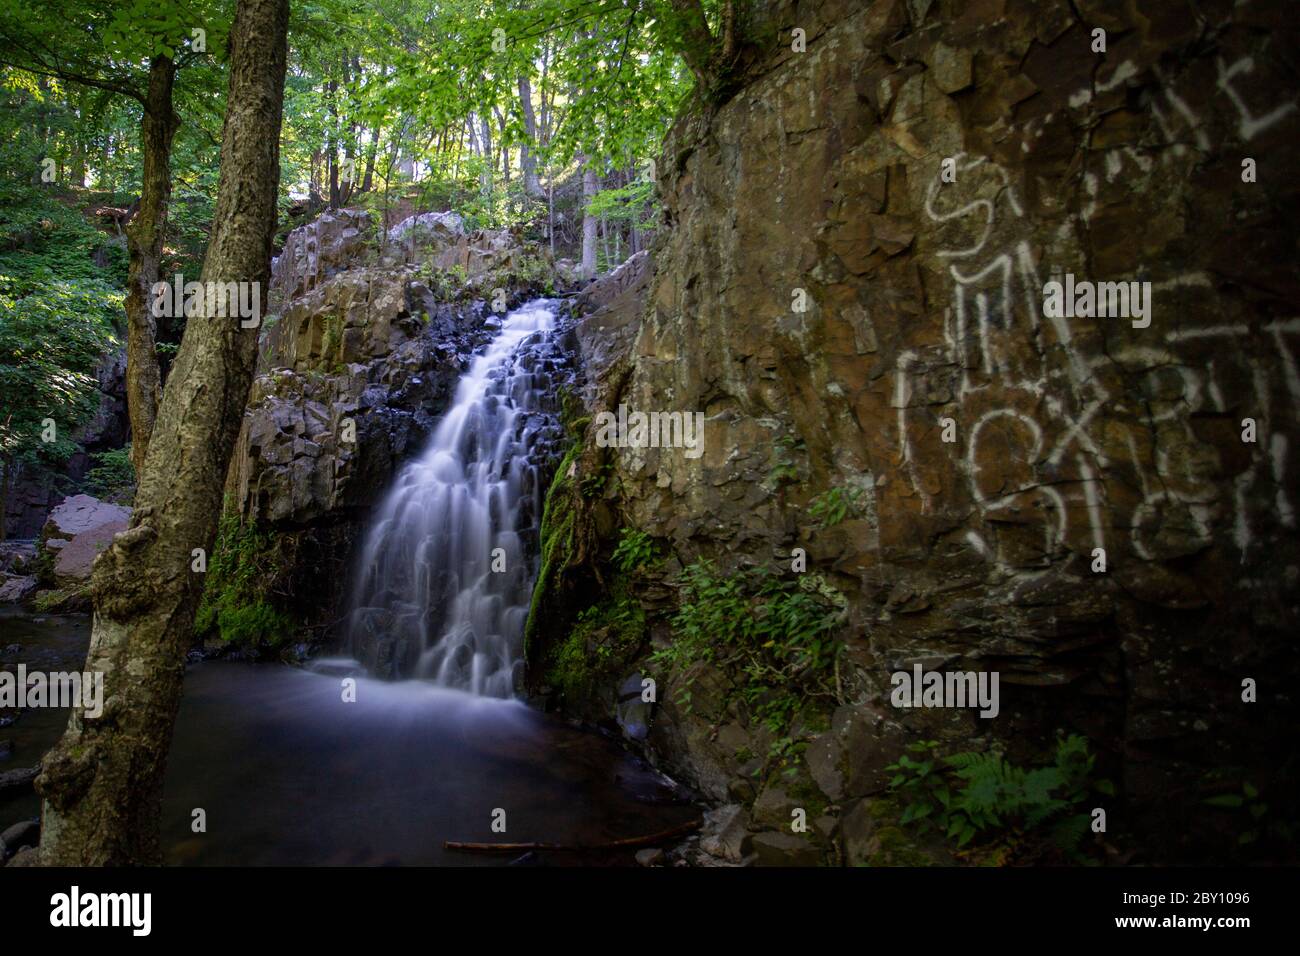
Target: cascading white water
[428,602]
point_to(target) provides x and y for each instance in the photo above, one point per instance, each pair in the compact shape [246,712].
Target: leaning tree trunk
[102,783]
[144,238]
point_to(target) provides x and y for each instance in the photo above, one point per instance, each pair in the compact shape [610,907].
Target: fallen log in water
[680,830]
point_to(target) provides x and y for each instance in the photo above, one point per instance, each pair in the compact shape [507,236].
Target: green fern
[970,794]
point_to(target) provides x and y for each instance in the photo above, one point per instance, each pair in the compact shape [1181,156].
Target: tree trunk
[144,238]
[528,158]
[372,151]
[102,784]
[332,141]
[502,145]
[488,166]
[77,168]
[590,186]
[5,479]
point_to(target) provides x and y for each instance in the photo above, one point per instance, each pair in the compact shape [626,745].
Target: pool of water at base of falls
[288,773]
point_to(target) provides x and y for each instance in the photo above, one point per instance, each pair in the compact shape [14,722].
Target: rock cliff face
[853,289]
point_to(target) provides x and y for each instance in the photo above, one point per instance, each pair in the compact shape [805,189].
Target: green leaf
[1230,800]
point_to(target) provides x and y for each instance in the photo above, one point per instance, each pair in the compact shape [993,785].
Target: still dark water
[288,773]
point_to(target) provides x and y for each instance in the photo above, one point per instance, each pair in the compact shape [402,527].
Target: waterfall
[446,570]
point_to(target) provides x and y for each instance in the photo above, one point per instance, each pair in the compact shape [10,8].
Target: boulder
[630,278]
[19,779]
[774,807]
[568,272]
[725,833]
[16,557]
[633,713]
[428,228]
[784,849]
[32,493]
[73,562]
[872,837]
[17,588]
[650,857]
[25,833]
[28,856]
[316,251]
[77,530]
[81,513]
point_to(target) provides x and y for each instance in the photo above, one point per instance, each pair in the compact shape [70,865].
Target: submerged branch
[628,843]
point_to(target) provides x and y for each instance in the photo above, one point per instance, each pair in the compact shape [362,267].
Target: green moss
[46,601]
[895,846]
[558,521]
[235,605]
[578,637]
[602,642]
[799,785]
[247,625]
[897,850]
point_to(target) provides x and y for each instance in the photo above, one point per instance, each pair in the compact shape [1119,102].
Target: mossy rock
[600,647]
[569,542]
[897,849]
[874,837]
[236,606]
